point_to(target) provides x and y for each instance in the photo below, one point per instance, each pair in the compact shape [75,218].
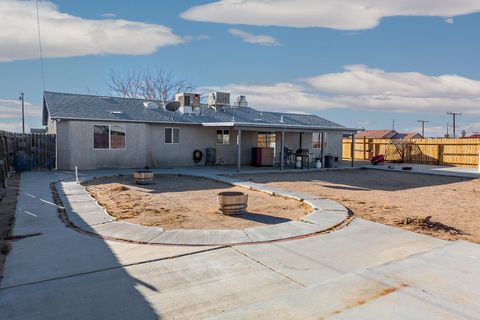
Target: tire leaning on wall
[197,156]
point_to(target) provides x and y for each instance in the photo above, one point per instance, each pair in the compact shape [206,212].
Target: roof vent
[150,105]
[281,119]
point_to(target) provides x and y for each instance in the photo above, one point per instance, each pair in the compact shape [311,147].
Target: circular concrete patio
[83,213]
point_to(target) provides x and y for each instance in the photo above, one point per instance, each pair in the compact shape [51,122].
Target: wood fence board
[455,152]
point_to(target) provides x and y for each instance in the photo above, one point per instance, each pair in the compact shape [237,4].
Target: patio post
[353,150]
[239,149]
[282,144]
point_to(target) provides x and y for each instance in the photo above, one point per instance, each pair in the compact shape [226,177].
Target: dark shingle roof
[89,107]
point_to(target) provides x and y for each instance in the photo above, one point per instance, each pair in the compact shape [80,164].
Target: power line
[40,46]
[423,126]
[454,115]
[22,98]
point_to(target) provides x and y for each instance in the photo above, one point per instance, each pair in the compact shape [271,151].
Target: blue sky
[356,66]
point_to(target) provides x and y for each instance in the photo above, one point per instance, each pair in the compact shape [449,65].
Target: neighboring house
[408,135]
[387,134]
[473,136]
[110,132]
[38,130]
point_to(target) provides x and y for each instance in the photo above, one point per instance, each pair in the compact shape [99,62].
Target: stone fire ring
[86,215]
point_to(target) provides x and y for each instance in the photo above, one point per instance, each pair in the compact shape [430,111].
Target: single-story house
[387,134]
[95,132]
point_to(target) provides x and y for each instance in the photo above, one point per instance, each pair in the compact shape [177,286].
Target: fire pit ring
[143,177]
[232,202]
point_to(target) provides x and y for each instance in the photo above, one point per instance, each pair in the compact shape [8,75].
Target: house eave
[276,126]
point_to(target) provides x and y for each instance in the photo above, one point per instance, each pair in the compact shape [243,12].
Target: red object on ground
[378,159]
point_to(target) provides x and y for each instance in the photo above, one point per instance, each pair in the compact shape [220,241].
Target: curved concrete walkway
[363,271]
[86,214]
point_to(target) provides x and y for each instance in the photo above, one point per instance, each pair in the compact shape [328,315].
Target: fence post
[479,159]
[440,154]
[364,148]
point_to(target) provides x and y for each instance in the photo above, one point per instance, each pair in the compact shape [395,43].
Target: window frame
[172,135]
[223,134]
[109,136]
[320,146]
[270,138]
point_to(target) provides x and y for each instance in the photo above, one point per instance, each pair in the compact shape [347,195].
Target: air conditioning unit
[218,100]
[241,101]
[188,99]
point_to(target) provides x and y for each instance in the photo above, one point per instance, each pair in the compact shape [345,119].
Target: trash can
[328,162]
[211,156]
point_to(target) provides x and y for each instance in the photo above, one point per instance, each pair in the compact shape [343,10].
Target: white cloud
[14,126]
[362,80]
[12,109]
[449,20]
[109,15]
[64,35]
[286,97]
[361,88]
[11,115]
[261,39]
[334,14]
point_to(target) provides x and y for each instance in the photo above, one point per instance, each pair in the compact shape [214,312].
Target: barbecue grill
[304,154]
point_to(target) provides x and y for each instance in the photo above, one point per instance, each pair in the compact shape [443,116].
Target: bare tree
[150,85]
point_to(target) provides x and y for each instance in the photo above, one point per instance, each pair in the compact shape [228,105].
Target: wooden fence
[454,152]
[25,152]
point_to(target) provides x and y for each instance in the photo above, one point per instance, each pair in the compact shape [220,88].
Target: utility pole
[393,124]
[454,115]
[448,135]
[22,98]
[423,126]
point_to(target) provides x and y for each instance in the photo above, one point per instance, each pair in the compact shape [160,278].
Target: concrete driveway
[363,271]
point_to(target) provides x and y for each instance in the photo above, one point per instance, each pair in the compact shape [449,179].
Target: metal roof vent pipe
[281,119]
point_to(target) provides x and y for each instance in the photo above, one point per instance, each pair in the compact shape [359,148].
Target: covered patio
[290,147]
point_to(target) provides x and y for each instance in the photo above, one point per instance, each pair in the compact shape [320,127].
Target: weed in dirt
[427,224]
[120,187]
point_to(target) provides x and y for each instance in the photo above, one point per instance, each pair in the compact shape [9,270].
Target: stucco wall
[159,154]
[75,147]
[145,146]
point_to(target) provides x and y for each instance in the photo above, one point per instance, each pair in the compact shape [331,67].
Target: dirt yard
[444,207]
[7,216]
[183,202]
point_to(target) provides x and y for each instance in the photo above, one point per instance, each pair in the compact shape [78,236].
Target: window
[223,136]
[101,137]
[117,137]
[266,139]
[317,140]
[172,135]
[109,137]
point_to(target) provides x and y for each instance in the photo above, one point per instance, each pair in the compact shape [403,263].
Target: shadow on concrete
[262,218]
[62,274]
[357,179]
